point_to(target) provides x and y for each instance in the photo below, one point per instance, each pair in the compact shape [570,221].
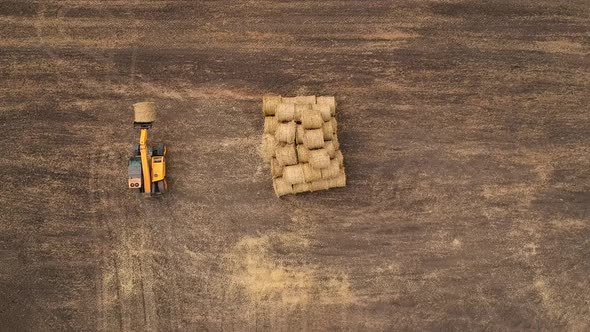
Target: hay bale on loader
[144,112]
[301,145]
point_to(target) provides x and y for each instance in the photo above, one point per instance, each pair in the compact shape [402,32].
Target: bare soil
[466,133]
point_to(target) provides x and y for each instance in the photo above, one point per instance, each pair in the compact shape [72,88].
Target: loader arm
[145,164]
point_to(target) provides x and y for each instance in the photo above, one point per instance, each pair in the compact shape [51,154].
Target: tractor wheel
[162,186]
[161,150]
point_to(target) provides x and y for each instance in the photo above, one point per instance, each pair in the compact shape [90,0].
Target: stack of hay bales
[300,143]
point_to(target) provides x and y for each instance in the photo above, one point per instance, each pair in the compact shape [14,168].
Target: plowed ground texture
[466,134]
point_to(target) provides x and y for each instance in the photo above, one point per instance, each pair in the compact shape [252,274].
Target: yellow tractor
[147,167]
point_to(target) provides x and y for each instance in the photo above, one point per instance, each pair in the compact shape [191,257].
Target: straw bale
[313,139]
[286,155]
[329,100]
[328,131]
[268,147]
[338,181]
[299,108]
[269,104]
[332,171]
[144,112]
[311,174]
[294,174]
[319,185]
[311,119]
[285,112]
[270,124]
[329,146]
[336,142]
[339,157]
[281,187]
[299,133]
[301,188]
[302,153]
[275,168]
[324,110]
[319,158]
[286,132]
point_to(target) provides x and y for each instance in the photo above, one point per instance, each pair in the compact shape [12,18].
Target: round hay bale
[334,125]
[305,100]
[324,110]
[144,112]
[328,131]
[302,153]
[319,185]
[270,124]
[319,158]
[339,157]
[339,181]
[286,132]
[301,188]
[311,174]
[282,187]
[269,104]
[275,168]
[328,100]
[311,119]
[286,155]
[267,149]
[299,134]
[329,146]
[299,108]
[285,112]
[289,100]
[294,174]
[332,171]
[313,139]
[336,142]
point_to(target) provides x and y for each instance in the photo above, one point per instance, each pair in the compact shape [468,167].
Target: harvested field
[465,128]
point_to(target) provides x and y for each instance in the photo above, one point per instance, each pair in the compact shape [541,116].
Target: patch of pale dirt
[561,46]
[571,225]
[265,280]
[548,46]
[220,92]
[391,35]
[552,299]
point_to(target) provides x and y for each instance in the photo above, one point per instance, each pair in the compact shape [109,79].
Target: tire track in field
[137,241]
[126,297]
[109,316]
[161,208]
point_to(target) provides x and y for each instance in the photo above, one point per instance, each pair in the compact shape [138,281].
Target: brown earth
[465,127]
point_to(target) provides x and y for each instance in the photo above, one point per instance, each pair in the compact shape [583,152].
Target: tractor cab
[134,173]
